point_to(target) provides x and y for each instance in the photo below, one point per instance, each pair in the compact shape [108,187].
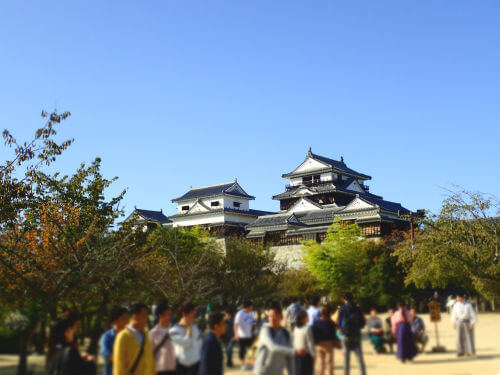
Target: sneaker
[243,368]
[248,367]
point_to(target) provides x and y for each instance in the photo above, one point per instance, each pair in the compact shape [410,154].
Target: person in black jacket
[211,361]
[65,358]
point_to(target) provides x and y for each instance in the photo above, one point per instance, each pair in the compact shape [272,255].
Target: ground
[487,361]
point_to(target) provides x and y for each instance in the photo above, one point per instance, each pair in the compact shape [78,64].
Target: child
[303,340]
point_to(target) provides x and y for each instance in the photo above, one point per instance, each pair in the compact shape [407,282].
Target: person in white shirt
[303,340]
[187,342]
[464,318]
[163,347]
[313,312]
[244,322]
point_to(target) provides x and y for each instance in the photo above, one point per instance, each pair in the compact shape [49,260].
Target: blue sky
[177,93]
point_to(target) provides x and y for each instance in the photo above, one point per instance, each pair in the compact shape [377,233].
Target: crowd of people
[303,344]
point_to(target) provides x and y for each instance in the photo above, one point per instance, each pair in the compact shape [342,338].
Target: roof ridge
[143,209]
[209,186]
[326,157]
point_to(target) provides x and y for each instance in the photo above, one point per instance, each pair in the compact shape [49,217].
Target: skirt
[406,345]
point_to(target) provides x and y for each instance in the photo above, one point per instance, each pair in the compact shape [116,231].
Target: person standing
[275,350]
[291,314]
[325,338]
[163,348]
[118,316]
[351,321]
[65,358]
[187,341]
[388,336]
[211,361]
[228,337]
[132,352]
[401,328]
[243,327]
[418,330]
[303,340]
[375,331]
[313,312]
[464,318]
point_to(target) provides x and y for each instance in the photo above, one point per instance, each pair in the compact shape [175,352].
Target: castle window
[185,208]
[236,204]
[214,204]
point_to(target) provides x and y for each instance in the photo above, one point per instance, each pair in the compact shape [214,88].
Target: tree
[299,284]
[182,264]
[17,184]
[347,262]
[249,271]
[459,246]
[17,176]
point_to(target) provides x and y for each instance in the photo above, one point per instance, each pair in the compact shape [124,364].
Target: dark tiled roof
[325,188]
[386,205]
[150,215]
[208,191]
[270,220]
[226,209]
[340,165]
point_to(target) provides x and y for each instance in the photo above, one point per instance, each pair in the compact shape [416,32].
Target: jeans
[229,352]
[356,348]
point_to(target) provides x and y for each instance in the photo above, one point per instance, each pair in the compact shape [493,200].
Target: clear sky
[177,93]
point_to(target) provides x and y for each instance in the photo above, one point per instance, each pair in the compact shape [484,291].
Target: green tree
[249,271]
[300,285]
[347,262]
[459,246]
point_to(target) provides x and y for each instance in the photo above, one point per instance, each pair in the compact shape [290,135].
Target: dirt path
[487,361]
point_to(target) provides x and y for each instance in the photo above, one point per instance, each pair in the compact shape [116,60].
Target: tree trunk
[22,366]
[83,328]
[95,331]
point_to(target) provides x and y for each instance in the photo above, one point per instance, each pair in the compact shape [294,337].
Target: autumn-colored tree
[182,264]
[17,190]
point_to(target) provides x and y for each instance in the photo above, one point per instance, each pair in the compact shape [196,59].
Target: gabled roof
[275,220]
[149,215]
[324,188]
[227,188]
[222,210]
[387,205]
[330,164]
[362,201]
[304,204]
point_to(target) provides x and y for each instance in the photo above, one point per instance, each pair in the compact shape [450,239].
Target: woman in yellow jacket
[128,346]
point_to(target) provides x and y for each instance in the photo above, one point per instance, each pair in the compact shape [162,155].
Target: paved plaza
[487,361]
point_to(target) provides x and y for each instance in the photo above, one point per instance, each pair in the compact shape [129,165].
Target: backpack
[352,322]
